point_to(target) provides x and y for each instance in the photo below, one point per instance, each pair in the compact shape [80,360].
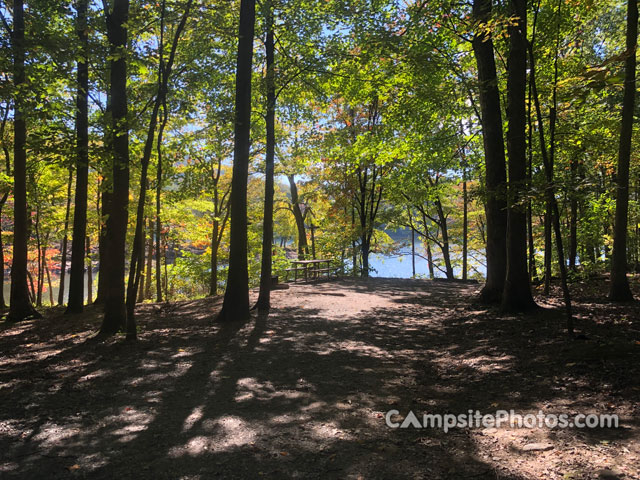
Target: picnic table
[311,269]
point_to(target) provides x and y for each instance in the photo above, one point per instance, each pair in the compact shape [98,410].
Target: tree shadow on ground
[303,392]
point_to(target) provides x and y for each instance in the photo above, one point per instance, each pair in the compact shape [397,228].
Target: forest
[175,173]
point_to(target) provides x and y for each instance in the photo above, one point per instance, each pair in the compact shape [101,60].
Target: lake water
[55,280]
[399,265]
[390,266]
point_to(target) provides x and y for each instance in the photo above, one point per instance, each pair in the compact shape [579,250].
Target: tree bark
[532,249]
[46,271]
[148,282]
[39,261]
[517,289]
[20,307]
[493,140]
[137,255]
[264,297]
[65,242]
[89,273]
[548,164]
[103,256]
[76,280]
[213,282]
[142,280]
[619,285]
[547,247]
[303,248]
[3,305]
[413,252]
[115,313]
[573,217]
[158,218]
[446,253]
[432,273]
[3,201]
[465,227]
[235,306]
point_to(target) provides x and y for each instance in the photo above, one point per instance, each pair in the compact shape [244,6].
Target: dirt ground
[303,392]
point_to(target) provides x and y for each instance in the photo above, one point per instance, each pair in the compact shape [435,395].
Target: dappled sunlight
[193,418]
[250,389]
[306,390]
[179,369]
[89,377]
[222,434]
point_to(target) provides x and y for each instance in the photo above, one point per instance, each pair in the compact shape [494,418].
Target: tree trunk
[213,283]
[137,255]
[149,274]
[364,258]
[533,273]
[312,227]
[236,297]
[20,306]
[432,273]
[3,305]
[636,250]
[413,253]
[445,248]
[517,289]
[264,297]
[32,291]
[573,217]
[46,270]
[115,313]
[76,282]
[158,235]
[465,228]
[65,242]
[158,221]
[547,246]
[299,218]
[493,140]
[159,248]
[138,239]
[3,201]
[89,273]
[166,270]
[102,242]
[354,252]
[39,261]
[143,276]
[548,164]
[619,285]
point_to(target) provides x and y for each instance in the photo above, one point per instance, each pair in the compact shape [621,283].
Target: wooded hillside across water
[179,145]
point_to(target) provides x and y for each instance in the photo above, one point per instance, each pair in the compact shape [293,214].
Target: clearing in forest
[303,392]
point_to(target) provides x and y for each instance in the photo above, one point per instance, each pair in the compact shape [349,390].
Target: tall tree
[236,296]
[3,199]
[264,297]
[619,285]
[158,222]
[517,289]
[495,170]
[65,242]
[115,314]
[137,252]
[106,194]
[20,306]
[76,281]
[303,248]
[548,158]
